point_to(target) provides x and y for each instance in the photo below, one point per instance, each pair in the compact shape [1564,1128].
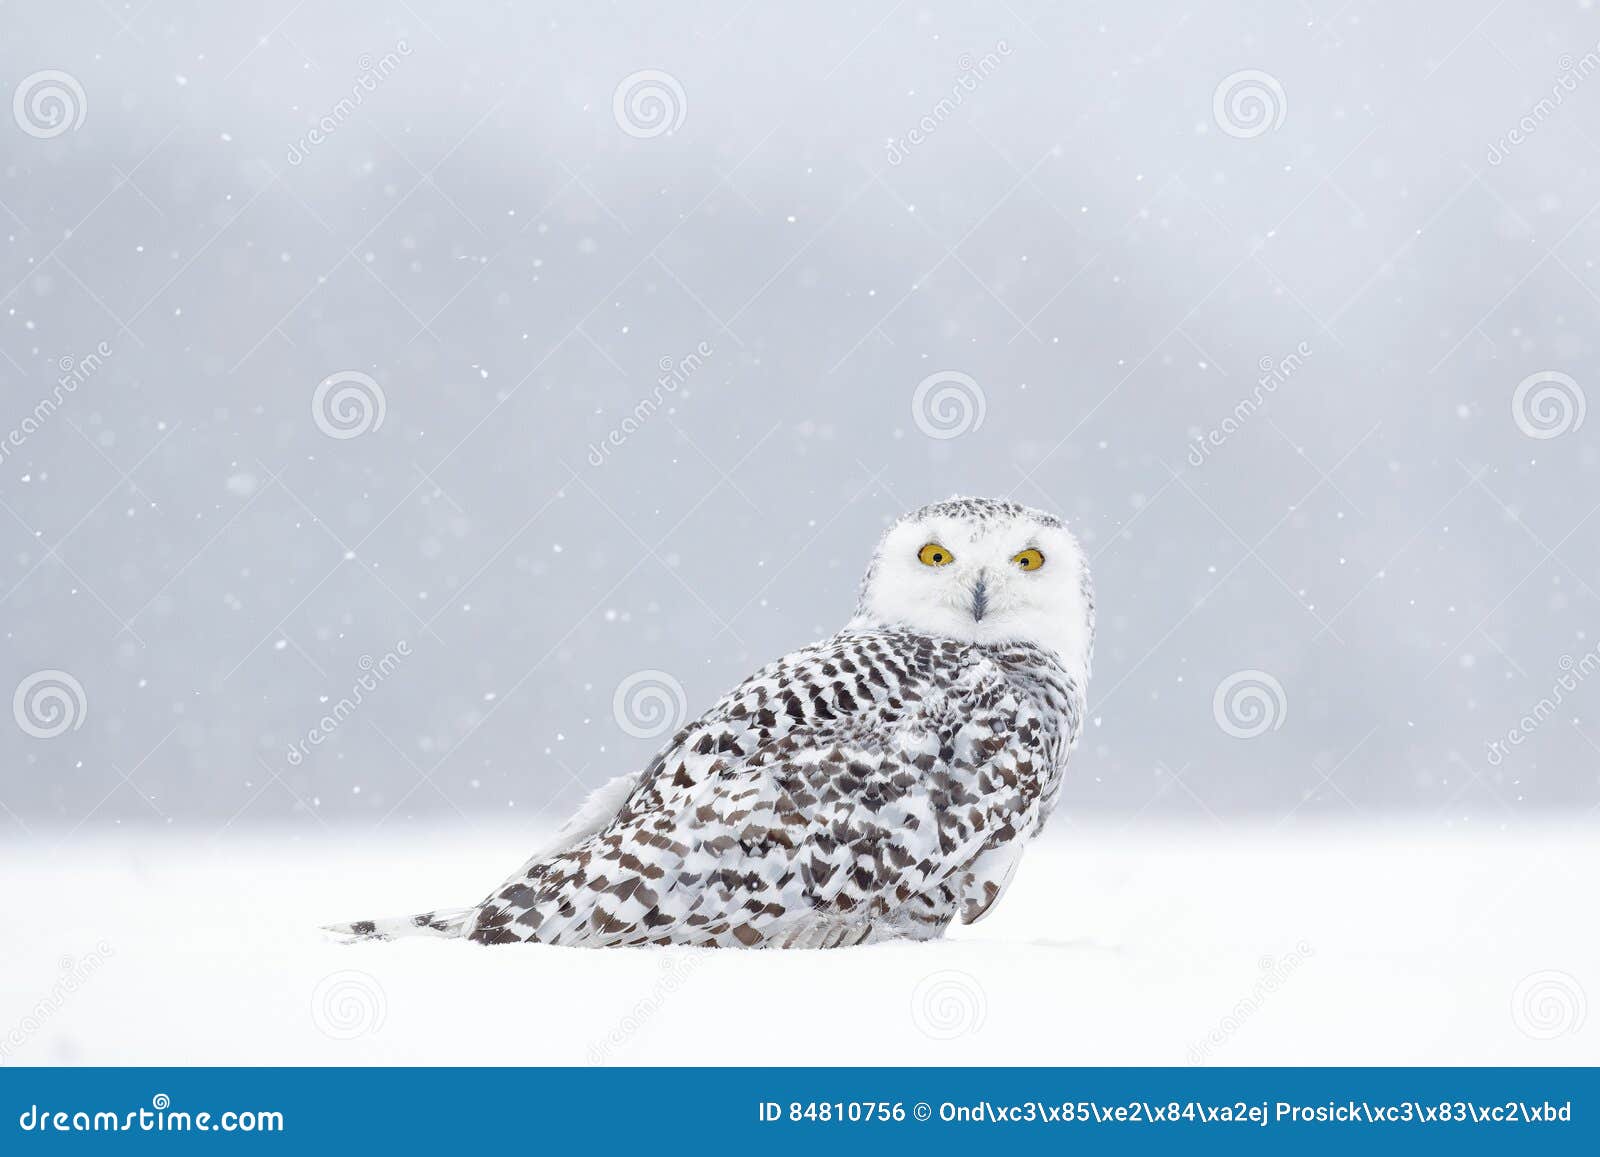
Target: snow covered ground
[1116,945]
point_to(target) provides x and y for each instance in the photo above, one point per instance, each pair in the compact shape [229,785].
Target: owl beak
[980,600]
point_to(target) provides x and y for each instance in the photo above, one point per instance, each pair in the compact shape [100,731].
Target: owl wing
[836,794]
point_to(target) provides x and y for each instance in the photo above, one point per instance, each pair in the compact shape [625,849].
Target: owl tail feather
[447,924]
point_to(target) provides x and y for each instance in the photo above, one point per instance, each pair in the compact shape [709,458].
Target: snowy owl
[876,785]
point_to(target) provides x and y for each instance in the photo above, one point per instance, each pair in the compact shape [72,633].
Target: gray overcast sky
[464,364]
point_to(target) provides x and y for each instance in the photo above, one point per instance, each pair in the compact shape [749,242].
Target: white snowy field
[1117,944]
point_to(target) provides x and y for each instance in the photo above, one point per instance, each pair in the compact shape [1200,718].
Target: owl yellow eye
[932,554]
[1029,559]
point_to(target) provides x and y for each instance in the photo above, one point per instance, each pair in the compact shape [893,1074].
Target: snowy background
[408,411]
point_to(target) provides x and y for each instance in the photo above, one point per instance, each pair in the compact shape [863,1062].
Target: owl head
[983,571]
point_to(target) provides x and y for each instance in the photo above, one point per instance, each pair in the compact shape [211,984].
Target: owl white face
[981,571]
